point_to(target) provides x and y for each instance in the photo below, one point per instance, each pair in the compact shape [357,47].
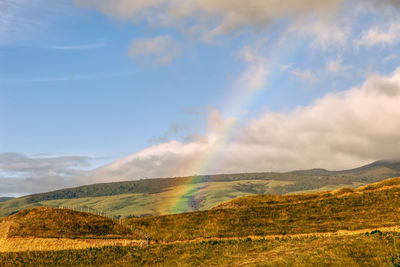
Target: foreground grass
[376,249]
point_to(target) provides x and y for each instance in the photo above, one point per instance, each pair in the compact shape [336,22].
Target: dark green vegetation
[149,186]
[373,206]
[157,196]
[62,223]
[372,249]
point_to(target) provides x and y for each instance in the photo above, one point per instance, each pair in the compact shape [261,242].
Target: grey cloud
[19,162]
[211,17]
[23,175]
[173,131]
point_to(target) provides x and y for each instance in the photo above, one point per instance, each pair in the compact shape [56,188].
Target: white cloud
[325,33]
[286,67]
[162,49]
[77,47]
[384,35]
[340,130]
[255,75]
[305,75]
[336,66]
[390,57]
[21,20]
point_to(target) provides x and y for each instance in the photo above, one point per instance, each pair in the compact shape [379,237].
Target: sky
[99,91]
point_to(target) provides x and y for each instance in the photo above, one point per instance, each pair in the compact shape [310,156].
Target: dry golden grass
[50,229]
[346,209]
[263,200]
[46,222]
[19,244]
[328,215]
[16,244]
[367,249]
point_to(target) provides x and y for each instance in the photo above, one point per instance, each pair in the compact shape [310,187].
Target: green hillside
[158,196]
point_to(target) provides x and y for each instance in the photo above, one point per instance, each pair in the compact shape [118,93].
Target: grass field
[368,249]
[17,244]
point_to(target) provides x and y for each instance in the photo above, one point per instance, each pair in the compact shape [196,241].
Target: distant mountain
[159,196]
[393,165]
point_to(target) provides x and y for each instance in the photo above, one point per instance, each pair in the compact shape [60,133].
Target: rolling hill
[50,229]
[157,196]
[43,222]
[371,206]
[343,227]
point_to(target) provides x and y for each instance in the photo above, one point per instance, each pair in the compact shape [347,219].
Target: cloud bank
[20,174]
[341,130]
[338,131]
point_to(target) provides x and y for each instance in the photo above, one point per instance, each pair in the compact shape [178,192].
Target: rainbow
[207,162]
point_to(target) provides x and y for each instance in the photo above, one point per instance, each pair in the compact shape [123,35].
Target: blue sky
[87,96]
[127,79]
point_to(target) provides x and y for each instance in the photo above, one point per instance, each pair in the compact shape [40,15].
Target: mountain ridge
[312,172]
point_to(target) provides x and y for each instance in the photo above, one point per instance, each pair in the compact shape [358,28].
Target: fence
[116,219]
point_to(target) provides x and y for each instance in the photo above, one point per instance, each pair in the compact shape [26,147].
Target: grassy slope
[45,222]
[158,196]
[207,194]
[355,250]
[267,215]
[2,199]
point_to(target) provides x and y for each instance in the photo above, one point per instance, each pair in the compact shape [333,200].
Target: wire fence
[116,219]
